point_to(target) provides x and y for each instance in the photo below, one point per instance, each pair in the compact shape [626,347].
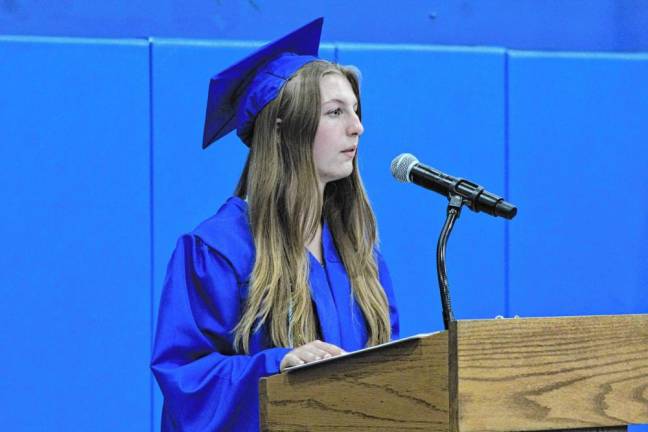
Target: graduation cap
[240,92]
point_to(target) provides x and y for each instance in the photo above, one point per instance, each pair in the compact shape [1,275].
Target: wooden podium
[529,374]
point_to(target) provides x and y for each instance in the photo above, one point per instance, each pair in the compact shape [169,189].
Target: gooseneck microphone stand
[453,212]
[406,168]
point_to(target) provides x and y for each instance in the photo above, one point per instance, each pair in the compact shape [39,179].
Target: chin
[345,174]
[341,173]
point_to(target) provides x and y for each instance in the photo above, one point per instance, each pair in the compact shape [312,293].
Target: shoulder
[228,234]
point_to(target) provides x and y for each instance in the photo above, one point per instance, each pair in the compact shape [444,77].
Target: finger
[329,348]
[290,360]
[319,353]
[294,359]
[306,355]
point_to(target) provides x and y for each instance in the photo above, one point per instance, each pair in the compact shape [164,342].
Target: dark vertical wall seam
[507,191]
[151,232]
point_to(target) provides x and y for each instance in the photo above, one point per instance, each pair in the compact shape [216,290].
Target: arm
[206,385]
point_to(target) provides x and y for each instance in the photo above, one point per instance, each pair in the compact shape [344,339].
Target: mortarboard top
[240,92]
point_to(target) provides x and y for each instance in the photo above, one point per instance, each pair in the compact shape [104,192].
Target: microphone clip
[455,201]
[468,191]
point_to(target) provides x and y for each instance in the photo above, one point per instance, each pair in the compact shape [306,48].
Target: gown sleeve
[206,385]
[386,282]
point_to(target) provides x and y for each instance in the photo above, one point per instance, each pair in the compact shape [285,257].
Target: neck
[315,245]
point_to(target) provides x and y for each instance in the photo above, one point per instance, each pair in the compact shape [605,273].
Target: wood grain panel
[551,373]
[402,387]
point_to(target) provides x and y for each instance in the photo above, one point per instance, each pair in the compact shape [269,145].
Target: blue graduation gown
[206,385]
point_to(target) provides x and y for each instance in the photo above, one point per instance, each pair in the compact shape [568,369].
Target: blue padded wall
[579,172]
[103,170]
[584,25]
[75,284]
[445,106]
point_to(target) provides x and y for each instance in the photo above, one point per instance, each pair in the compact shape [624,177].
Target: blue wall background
[102,170]
[574,25]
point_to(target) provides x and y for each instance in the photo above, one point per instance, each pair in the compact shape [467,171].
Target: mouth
[350,151]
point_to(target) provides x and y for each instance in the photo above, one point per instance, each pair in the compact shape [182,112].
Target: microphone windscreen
[402,165]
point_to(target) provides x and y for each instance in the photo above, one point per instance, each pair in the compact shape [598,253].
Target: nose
[355,127]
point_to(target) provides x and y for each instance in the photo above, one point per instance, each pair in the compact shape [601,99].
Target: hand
[310,352]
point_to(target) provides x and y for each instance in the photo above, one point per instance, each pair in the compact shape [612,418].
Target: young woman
[287,272]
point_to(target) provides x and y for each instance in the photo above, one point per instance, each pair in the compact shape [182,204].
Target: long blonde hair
[285,208]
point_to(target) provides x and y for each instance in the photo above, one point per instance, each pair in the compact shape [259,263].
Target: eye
[335,112]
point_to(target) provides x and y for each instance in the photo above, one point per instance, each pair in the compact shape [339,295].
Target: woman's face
[336,139]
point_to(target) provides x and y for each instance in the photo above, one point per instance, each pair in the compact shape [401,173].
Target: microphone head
[402,165]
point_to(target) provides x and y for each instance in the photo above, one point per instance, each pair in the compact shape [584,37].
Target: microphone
[406,168]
